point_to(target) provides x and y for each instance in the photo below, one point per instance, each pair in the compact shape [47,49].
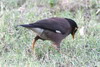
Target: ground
[15,42]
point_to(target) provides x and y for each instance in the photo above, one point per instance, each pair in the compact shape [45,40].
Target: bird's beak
[73,35]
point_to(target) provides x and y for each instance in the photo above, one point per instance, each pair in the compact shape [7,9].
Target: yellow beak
[73,35]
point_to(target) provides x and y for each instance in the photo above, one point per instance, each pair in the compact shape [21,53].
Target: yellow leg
[34,41]
[33,44]
[57,47]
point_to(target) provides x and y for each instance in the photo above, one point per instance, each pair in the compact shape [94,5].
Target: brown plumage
[54,29]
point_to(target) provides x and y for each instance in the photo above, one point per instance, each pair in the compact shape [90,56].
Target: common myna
[54,29]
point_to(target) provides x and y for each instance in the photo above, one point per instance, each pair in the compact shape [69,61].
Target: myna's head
[74,31]
[74,27]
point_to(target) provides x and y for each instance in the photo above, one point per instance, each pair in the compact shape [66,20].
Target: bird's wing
[55,25]
[52,25]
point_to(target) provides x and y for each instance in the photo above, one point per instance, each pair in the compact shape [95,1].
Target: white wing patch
[57,31]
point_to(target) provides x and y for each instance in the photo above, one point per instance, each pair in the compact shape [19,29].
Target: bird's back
[53,24]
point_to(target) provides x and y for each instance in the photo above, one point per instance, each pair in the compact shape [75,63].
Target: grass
[15,42]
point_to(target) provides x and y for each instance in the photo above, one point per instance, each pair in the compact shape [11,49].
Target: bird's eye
[75,29]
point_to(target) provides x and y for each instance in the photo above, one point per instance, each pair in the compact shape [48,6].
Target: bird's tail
[33,28]
[26,25]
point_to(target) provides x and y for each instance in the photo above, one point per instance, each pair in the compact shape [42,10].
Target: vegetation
[15,42]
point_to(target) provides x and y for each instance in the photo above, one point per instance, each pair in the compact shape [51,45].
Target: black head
[73,25]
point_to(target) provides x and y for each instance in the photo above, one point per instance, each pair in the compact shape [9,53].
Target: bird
[54,29]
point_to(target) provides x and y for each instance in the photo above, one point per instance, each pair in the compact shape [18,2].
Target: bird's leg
[57,47]
[34,41]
